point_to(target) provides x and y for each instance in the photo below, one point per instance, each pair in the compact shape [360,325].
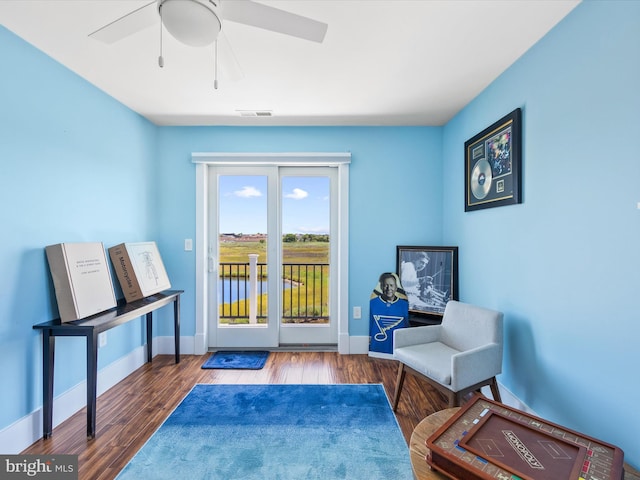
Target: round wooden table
[418,450]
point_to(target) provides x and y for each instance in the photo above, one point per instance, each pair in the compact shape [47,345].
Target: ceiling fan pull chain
[160,58]
[215,64]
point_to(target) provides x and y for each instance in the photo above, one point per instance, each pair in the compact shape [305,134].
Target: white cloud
[248,192]
[298,194]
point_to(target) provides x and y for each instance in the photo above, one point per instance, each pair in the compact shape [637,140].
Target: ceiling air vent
[255,113]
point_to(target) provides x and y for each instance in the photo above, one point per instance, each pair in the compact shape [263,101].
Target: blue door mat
[248,360]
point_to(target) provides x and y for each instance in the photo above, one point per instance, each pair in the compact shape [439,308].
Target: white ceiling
[396,62]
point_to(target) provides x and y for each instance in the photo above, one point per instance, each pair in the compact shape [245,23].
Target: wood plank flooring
[129,413]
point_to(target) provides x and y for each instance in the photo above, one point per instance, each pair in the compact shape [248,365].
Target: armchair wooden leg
[494,390]
[399,383]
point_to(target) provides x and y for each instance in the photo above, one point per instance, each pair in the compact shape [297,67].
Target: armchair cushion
[431,359]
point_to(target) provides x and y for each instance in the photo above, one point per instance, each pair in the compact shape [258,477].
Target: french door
[308,231]
[271,256]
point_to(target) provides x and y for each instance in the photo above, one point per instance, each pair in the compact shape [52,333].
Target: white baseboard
[165,346]
[25,431]
[509,399]
[359,345]
[22,433]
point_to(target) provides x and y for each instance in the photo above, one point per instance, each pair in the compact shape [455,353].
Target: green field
[309,293]
[293,252]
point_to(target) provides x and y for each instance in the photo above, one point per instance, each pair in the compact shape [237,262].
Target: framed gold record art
[492,165]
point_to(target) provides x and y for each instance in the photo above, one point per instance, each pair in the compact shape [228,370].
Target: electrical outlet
[357,312]
[188,244]
[102,339]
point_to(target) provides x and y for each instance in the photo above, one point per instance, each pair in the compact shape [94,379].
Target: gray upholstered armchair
[461,355]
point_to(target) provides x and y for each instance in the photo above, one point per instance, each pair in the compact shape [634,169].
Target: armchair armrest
[404,337]
[473,366]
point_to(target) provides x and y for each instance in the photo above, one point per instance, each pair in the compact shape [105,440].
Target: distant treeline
[304,237]
[287,237]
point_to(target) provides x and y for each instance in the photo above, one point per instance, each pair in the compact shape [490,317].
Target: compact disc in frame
[481,179]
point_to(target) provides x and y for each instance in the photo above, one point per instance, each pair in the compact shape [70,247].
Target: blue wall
[565,265]
[78,166]
[74,168]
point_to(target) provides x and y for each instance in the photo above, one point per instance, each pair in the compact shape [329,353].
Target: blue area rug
[237,360]
[283,432]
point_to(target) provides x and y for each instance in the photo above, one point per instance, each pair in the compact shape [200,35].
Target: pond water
[234,289]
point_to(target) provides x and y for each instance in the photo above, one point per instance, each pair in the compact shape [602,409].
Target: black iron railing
[305,289]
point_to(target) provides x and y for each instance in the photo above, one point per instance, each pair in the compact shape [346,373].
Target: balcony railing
[305,293]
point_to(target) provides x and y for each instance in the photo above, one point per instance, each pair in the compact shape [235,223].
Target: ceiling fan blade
[274,19]
[228,61]
[128,24]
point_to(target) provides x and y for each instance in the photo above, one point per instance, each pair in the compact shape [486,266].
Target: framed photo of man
[429,276]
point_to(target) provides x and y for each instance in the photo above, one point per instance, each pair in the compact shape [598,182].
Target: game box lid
[488,440]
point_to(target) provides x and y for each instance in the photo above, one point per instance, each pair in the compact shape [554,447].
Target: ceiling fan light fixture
[192,22]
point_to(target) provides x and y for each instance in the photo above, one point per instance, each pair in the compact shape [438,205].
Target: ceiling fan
[199,23]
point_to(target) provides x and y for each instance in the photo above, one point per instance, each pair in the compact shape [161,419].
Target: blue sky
[243,204]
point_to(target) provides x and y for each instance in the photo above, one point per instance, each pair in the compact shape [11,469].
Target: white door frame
[204,257]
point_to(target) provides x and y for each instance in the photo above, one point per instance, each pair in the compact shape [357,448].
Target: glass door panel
[242,223]
[306,226]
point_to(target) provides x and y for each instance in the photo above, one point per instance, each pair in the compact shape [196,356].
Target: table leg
[92,382]
[149,336]
[176,327]
[48,356]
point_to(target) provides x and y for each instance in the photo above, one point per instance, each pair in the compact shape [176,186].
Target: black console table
[90,328]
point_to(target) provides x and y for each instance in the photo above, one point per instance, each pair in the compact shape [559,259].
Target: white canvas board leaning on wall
[81,279]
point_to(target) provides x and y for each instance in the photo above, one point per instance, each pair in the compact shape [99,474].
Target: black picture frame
[493,161]
[429,288]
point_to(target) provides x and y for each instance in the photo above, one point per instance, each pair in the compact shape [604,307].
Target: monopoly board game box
[488,440]
[139,269]
[81,279]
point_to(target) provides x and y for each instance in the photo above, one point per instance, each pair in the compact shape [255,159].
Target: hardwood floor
[129,413]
